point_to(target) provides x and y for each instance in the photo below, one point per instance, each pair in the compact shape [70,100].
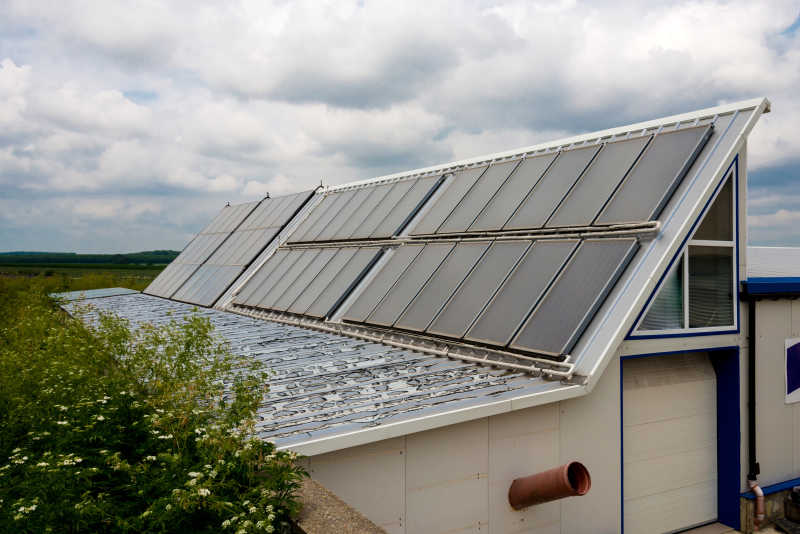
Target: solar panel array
[220,253]
[468,271]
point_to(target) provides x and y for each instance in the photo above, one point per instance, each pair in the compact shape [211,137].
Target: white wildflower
[195,474]
[150,458]
[253,509]
[204,492]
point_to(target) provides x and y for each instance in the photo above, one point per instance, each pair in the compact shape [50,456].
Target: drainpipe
[568,480]
[753,467]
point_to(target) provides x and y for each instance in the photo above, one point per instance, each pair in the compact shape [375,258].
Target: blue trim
[725,361]
[630,335]
[770,285]
[774,488]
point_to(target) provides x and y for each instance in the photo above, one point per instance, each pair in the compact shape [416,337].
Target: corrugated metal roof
[326,386]
[94,293]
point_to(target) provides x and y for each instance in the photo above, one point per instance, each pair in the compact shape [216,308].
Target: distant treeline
[150,257]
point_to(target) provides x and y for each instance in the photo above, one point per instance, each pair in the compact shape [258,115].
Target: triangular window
[699,291]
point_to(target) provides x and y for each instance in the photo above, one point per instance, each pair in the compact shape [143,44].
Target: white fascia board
[608,329]
[634,347]
[761,103]
[337,442]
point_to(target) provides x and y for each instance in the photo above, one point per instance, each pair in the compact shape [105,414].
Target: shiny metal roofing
[328,392]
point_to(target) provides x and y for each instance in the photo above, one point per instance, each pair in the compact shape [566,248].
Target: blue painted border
[630,335]
[725,361]
[773,488]
[768,285]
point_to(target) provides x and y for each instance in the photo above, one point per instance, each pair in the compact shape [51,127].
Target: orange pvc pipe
[567,480]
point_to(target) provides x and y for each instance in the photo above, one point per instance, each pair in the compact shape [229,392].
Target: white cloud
[185,105]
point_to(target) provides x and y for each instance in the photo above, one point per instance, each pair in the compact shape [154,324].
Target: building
[437,334]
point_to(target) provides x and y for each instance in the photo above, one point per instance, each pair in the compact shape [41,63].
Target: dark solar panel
[282,284]
[356,220]
[322,280]
[372,294]
[440,287]
[384,207]
[342,283]
[345,214]
[564,312]
[651,182]
[402,212]
[409,284]
[319,211]
[302,281]
[336,209]
[504,203]
[456,187]
[552,188]
[245,294]
[471,297]
[598,183]
[521,291]
[473,202]
[275,276]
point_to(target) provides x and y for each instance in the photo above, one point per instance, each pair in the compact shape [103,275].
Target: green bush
[115,429]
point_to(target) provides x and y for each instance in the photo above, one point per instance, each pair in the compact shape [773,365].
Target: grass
[120,429]
[81,277]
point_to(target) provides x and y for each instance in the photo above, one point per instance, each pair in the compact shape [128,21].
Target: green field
[77,277]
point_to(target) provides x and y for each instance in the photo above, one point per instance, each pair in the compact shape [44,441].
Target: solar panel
[401,258]
[648,187]
[277,273]
[598,183]
[556,324]
[473,202]
[402,212]
[322,280]
[356,220]
[281,285]
[301,282]
[245,293]
[374,219]
[478,288]
[311,219]
[409,284]
[456,188]
[552,188]
[440,287]
[521,291]
[340,201]
[504,203]
[341,284]
[345,214]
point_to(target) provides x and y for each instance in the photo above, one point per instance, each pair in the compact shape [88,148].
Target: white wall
[777,423]
[456,478]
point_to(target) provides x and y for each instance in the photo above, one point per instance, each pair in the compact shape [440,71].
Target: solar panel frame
[442,284]
[377,194]
[552,188]
[549,314]
[471,205]
[468,303]
[518,295]
[585,200]
[505,202]
[383,281]
[310,294]
[342,284]
[403,291]
[460,183]
[374,219]
[624,196]
[407,208]
[304,279]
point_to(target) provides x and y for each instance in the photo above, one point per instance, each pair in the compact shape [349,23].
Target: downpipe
[569,480]
[758,517]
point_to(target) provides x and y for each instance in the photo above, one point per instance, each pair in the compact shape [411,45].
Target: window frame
[682,258]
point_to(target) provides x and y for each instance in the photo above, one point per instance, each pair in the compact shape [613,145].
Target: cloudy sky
[126,128]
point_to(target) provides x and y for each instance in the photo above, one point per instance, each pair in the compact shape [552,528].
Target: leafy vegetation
[149,257]
[116,429]
[78,277]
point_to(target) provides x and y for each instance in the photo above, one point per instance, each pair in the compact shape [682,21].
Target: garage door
[669,443]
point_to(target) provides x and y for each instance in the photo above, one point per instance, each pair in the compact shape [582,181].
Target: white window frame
[684,255]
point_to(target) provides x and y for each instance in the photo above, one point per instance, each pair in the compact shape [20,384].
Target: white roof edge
[613,345]
[401,428]
[683,117]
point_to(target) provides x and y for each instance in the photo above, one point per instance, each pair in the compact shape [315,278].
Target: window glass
[717,225]
[710,286]
[666,312]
